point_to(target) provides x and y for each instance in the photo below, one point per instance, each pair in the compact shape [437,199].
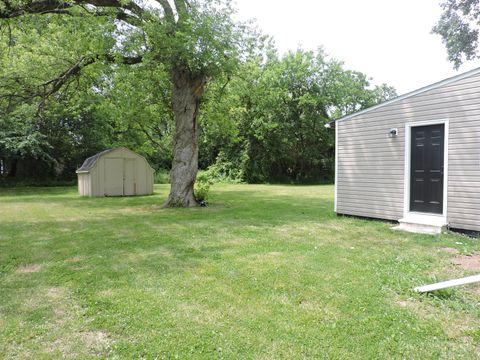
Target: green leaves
[262,117]
[459,28]
[19,137]
[272,116]
[204,39]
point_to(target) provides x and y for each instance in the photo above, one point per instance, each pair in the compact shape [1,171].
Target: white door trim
[408,140]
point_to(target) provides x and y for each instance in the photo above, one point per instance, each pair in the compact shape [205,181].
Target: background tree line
[262,121]
[80,76]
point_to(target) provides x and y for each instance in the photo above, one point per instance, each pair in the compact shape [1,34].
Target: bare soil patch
[56,293]
[468,262]
[404,303]
[106,293]
[77,258]
[449,250]
[455,325]
[28,269]
[96,340]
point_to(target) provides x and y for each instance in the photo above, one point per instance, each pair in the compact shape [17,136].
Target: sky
[388,40]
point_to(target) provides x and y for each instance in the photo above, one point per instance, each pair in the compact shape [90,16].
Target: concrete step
[422,224]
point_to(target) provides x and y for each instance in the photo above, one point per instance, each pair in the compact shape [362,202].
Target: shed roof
[90,162]
[407,95]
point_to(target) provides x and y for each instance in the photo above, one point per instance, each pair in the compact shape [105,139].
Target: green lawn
[265,272]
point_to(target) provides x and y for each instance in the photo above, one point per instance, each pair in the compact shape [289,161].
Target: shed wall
[370,179]
[142,176]
[84,184]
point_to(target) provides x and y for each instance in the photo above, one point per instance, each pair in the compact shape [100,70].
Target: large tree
[192,41]
[459,27]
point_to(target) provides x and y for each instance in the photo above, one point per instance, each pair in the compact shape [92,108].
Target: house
[115,172]
[414,159]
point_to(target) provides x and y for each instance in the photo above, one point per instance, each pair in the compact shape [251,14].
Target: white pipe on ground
[447,284]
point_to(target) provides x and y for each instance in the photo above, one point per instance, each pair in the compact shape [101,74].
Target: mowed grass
[265,272]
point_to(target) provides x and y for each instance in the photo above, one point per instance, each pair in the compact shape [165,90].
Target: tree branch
[181,9]
[60,80]
[129,19]
[52,86]
[130,5]
[150,137]
[76,68]
[60,7]
[167,9]
[38,7]
[125,60]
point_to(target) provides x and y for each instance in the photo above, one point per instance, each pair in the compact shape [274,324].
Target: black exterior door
[426,175]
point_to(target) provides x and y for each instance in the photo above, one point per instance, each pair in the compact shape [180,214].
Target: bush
[227,171]
[162,176]
[202,186]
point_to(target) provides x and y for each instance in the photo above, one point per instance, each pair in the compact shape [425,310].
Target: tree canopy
[179,82]
[459,27]
[190,41]
[272,117]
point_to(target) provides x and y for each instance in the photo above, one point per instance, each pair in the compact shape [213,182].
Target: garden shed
[414,159]
[115,172]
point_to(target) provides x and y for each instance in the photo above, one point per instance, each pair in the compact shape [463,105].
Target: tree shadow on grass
[129,228]
[128,224]
[249,204]
[64,195]
[139,249]
[145,224]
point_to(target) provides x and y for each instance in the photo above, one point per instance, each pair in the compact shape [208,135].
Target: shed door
[426,176]
[113,177]
[129,182]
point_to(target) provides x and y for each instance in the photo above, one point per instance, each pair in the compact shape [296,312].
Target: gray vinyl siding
[370,165]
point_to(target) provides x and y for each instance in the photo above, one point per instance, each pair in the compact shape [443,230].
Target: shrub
[162,176]
[202,186]
[227,171]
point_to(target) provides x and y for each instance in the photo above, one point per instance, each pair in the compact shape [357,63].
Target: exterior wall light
[393,133]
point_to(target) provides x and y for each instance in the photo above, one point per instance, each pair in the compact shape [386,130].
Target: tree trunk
[12,169]
[187,92]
